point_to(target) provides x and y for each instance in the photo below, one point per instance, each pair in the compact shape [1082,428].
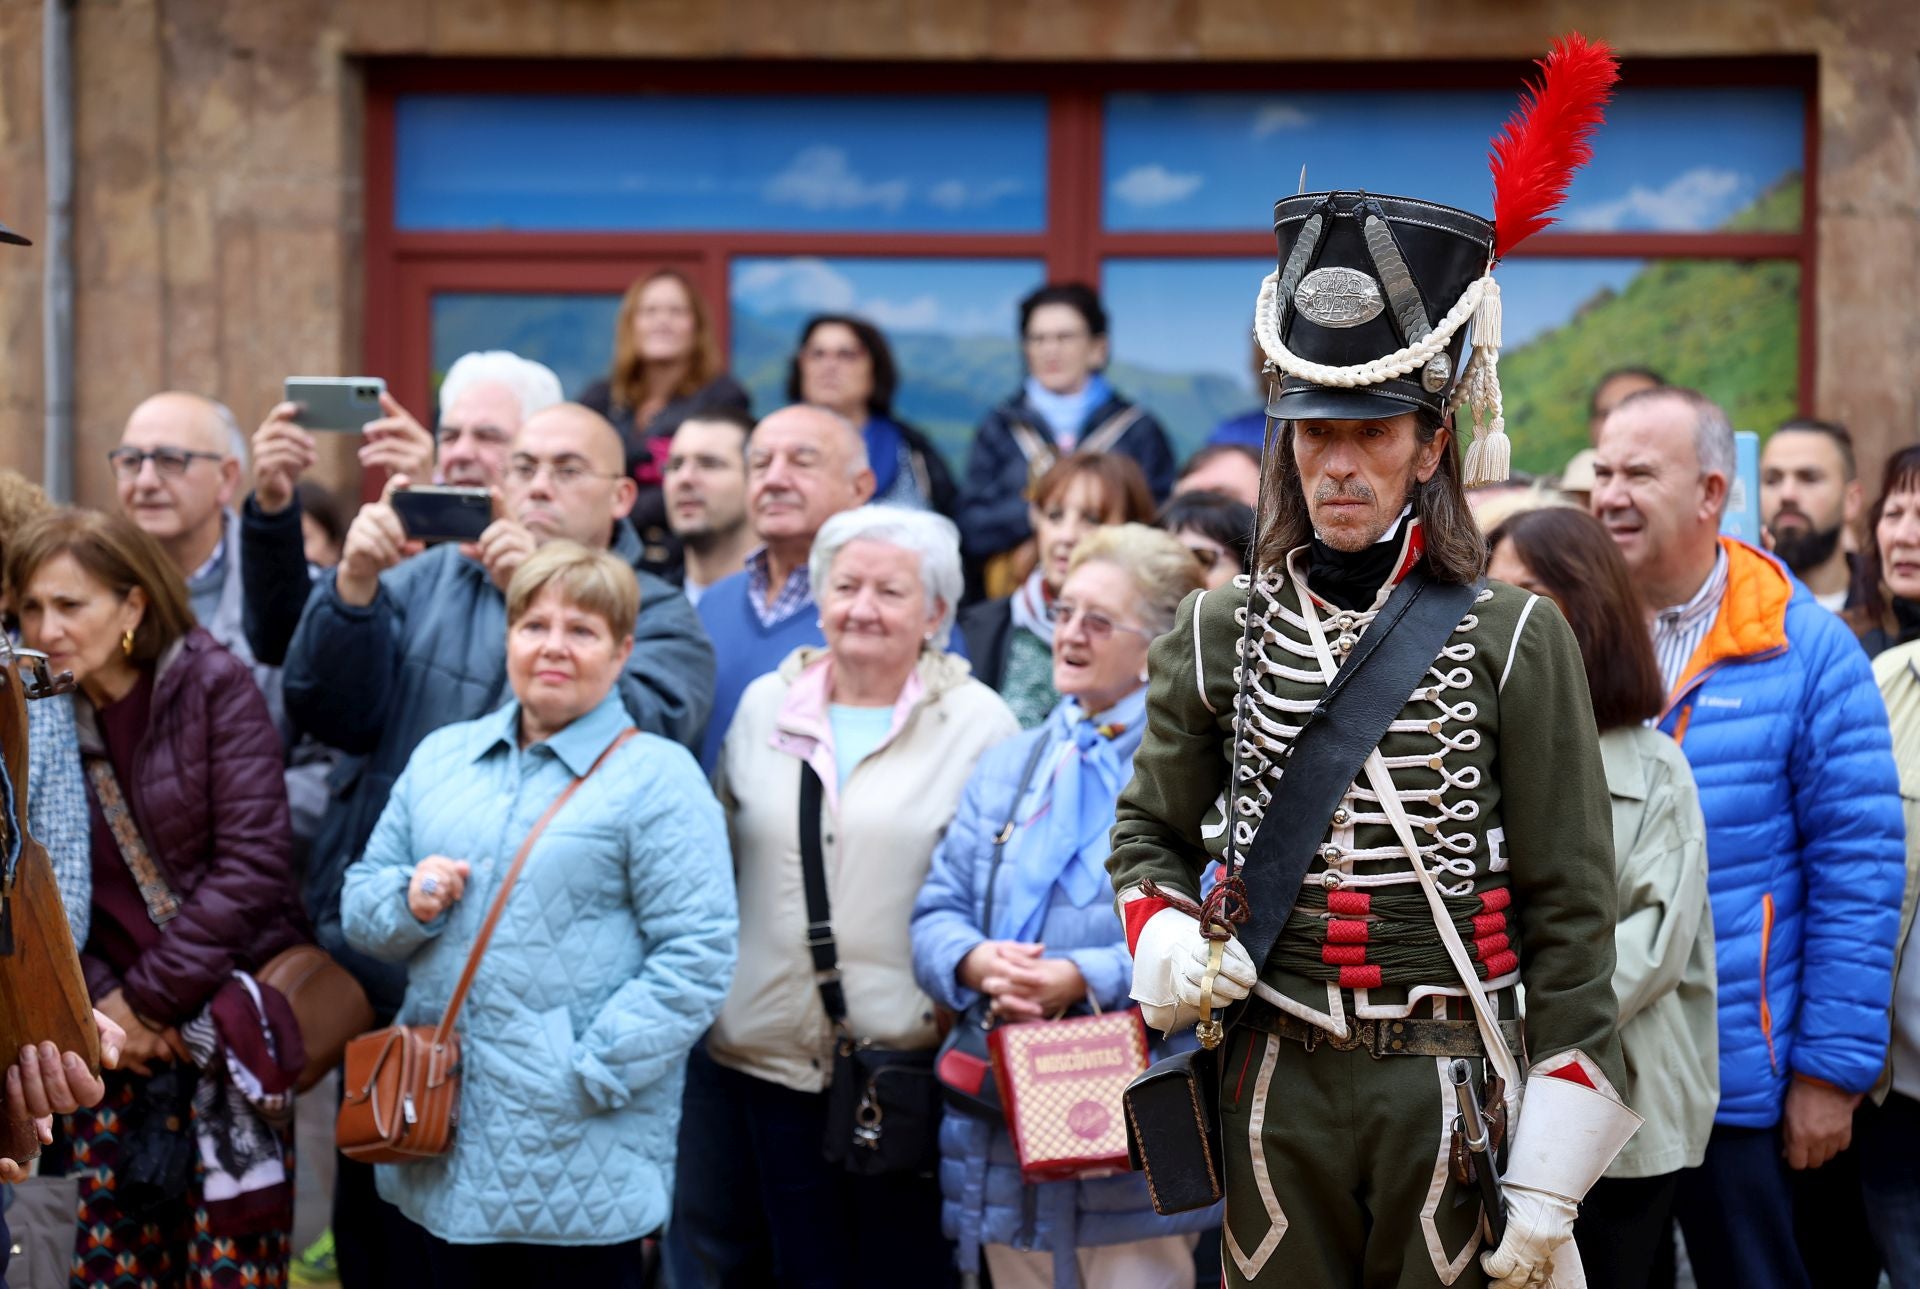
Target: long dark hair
[1456,551]
[1574,559]
[1873,607]
[886,376]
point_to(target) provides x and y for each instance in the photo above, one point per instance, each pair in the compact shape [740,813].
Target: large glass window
[928,200]
[559,163]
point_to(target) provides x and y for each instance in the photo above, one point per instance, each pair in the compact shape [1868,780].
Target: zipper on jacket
[1766,1011]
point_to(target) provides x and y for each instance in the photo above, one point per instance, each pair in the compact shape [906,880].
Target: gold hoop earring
[126,642]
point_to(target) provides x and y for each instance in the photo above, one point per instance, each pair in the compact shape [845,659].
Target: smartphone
[432,513]
[335,402]
[1741,519]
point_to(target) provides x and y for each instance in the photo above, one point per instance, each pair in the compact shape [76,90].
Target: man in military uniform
[1471,855]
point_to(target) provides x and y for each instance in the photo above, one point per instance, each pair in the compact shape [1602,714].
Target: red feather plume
[1547,139]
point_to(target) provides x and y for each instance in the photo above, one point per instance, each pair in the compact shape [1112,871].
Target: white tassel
[1486,318]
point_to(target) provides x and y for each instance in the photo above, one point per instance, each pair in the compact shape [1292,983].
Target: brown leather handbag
[402,1084]
[329,1004]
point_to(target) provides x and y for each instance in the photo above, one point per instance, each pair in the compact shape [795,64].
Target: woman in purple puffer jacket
[192,882]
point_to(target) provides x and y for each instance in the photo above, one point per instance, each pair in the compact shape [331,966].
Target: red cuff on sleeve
[1136,913]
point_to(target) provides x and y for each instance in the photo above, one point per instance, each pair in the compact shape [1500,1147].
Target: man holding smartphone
[483,400]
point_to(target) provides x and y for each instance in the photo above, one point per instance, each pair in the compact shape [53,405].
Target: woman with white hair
[856,753]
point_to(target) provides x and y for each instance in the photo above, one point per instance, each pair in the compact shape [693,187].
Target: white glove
[1170,964]
[1537,1225]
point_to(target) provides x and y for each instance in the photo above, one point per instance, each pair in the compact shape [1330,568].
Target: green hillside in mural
[1728,328]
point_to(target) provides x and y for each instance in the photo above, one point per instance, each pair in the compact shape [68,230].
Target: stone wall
[218,206]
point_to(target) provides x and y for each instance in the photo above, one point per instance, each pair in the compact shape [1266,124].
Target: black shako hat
[1363,275]
[1377,299]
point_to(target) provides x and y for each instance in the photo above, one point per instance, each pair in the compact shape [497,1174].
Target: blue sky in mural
[1185,315]
[1671,160]
[871,164]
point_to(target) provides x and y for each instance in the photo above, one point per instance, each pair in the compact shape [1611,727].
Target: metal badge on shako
[1338,297]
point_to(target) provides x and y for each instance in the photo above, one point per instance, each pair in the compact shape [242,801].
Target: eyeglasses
[1098,625]
[170,462]
[565,474]
[1042,339]
[816,354]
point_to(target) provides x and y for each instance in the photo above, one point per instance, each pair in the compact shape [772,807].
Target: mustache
[1353,490]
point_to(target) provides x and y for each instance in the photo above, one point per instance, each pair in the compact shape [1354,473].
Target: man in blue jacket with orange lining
[1775,706]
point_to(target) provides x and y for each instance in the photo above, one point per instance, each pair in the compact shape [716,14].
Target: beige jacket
[1663,952]
[878,842]
[1898,672]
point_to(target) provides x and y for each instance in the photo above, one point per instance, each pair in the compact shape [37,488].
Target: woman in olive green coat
[1663,942]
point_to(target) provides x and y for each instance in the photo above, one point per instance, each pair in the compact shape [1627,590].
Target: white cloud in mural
[1155,185]
[821,178]
[1699,198]
[803,284]
[1276,118]
[961,194]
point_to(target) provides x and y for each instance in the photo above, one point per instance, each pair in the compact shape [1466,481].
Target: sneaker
[315,1265]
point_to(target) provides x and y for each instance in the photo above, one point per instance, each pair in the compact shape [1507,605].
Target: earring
[1143,677]
[126,643]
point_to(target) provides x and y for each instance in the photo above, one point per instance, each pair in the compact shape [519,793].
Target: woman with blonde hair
[612,951]
[666,369]
[1017,910]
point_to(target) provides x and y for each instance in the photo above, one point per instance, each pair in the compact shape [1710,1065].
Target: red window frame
[404,269]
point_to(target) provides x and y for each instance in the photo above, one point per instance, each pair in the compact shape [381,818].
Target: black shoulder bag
[883,1106]
[965,1064]
[1173,1120]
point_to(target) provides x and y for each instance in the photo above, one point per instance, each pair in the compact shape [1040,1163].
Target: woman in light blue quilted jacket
[613,953]
[1052,939]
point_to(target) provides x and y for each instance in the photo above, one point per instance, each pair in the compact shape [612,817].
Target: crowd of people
[822,696]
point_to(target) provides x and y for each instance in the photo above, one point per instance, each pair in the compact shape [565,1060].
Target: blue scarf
[1061,826]
[884,440]
[1066,414]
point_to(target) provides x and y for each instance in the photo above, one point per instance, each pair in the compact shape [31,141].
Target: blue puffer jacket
[611,956]
[1780,718]
[985,1202]
[431,650]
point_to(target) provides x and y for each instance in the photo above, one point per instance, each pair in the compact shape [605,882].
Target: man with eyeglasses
[400,641]
[483,400]
[176,472]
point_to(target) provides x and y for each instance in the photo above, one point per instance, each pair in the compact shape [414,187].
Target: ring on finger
[429,885]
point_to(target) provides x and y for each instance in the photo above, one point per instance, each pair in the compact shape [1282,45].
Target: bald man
[177,473]
[401,640]
[805,465]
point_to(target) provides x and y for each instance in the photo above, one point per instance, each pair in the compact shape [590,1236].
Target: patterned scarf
[1060,831]
[1028,604]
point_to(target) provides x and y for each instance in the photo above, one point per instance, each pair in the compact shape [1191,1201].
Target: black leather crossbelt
[1409,1037]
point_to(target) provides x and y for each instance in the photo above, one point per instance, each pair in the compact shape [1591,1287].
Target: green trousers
[1338,1172]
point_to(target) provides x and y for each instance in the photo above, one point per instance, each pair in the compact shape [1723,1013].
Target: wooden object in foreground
[43,995]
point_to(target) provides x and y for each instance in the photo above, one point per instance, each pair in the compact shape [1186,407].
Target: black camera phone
[432,513]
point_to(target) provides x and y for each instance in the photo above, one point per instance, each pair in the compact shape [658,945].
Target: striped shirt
[1678,631]
[771,607]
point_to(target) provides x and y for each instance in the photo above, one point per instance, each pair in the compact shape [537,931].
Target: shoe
[315,1265]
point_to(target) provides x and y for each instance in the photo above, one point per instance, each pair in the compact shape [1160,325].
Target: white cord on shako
[1490,454]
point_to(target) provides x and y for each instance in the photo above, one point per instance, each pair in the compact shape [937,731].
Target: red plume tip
[1548,138]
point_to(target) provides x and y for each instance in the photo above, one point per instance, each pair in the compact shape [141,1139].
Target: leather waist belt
[1409,1037]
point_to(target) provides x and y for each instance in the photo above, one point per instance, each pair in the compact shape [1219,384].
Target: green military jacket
[1495,760]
